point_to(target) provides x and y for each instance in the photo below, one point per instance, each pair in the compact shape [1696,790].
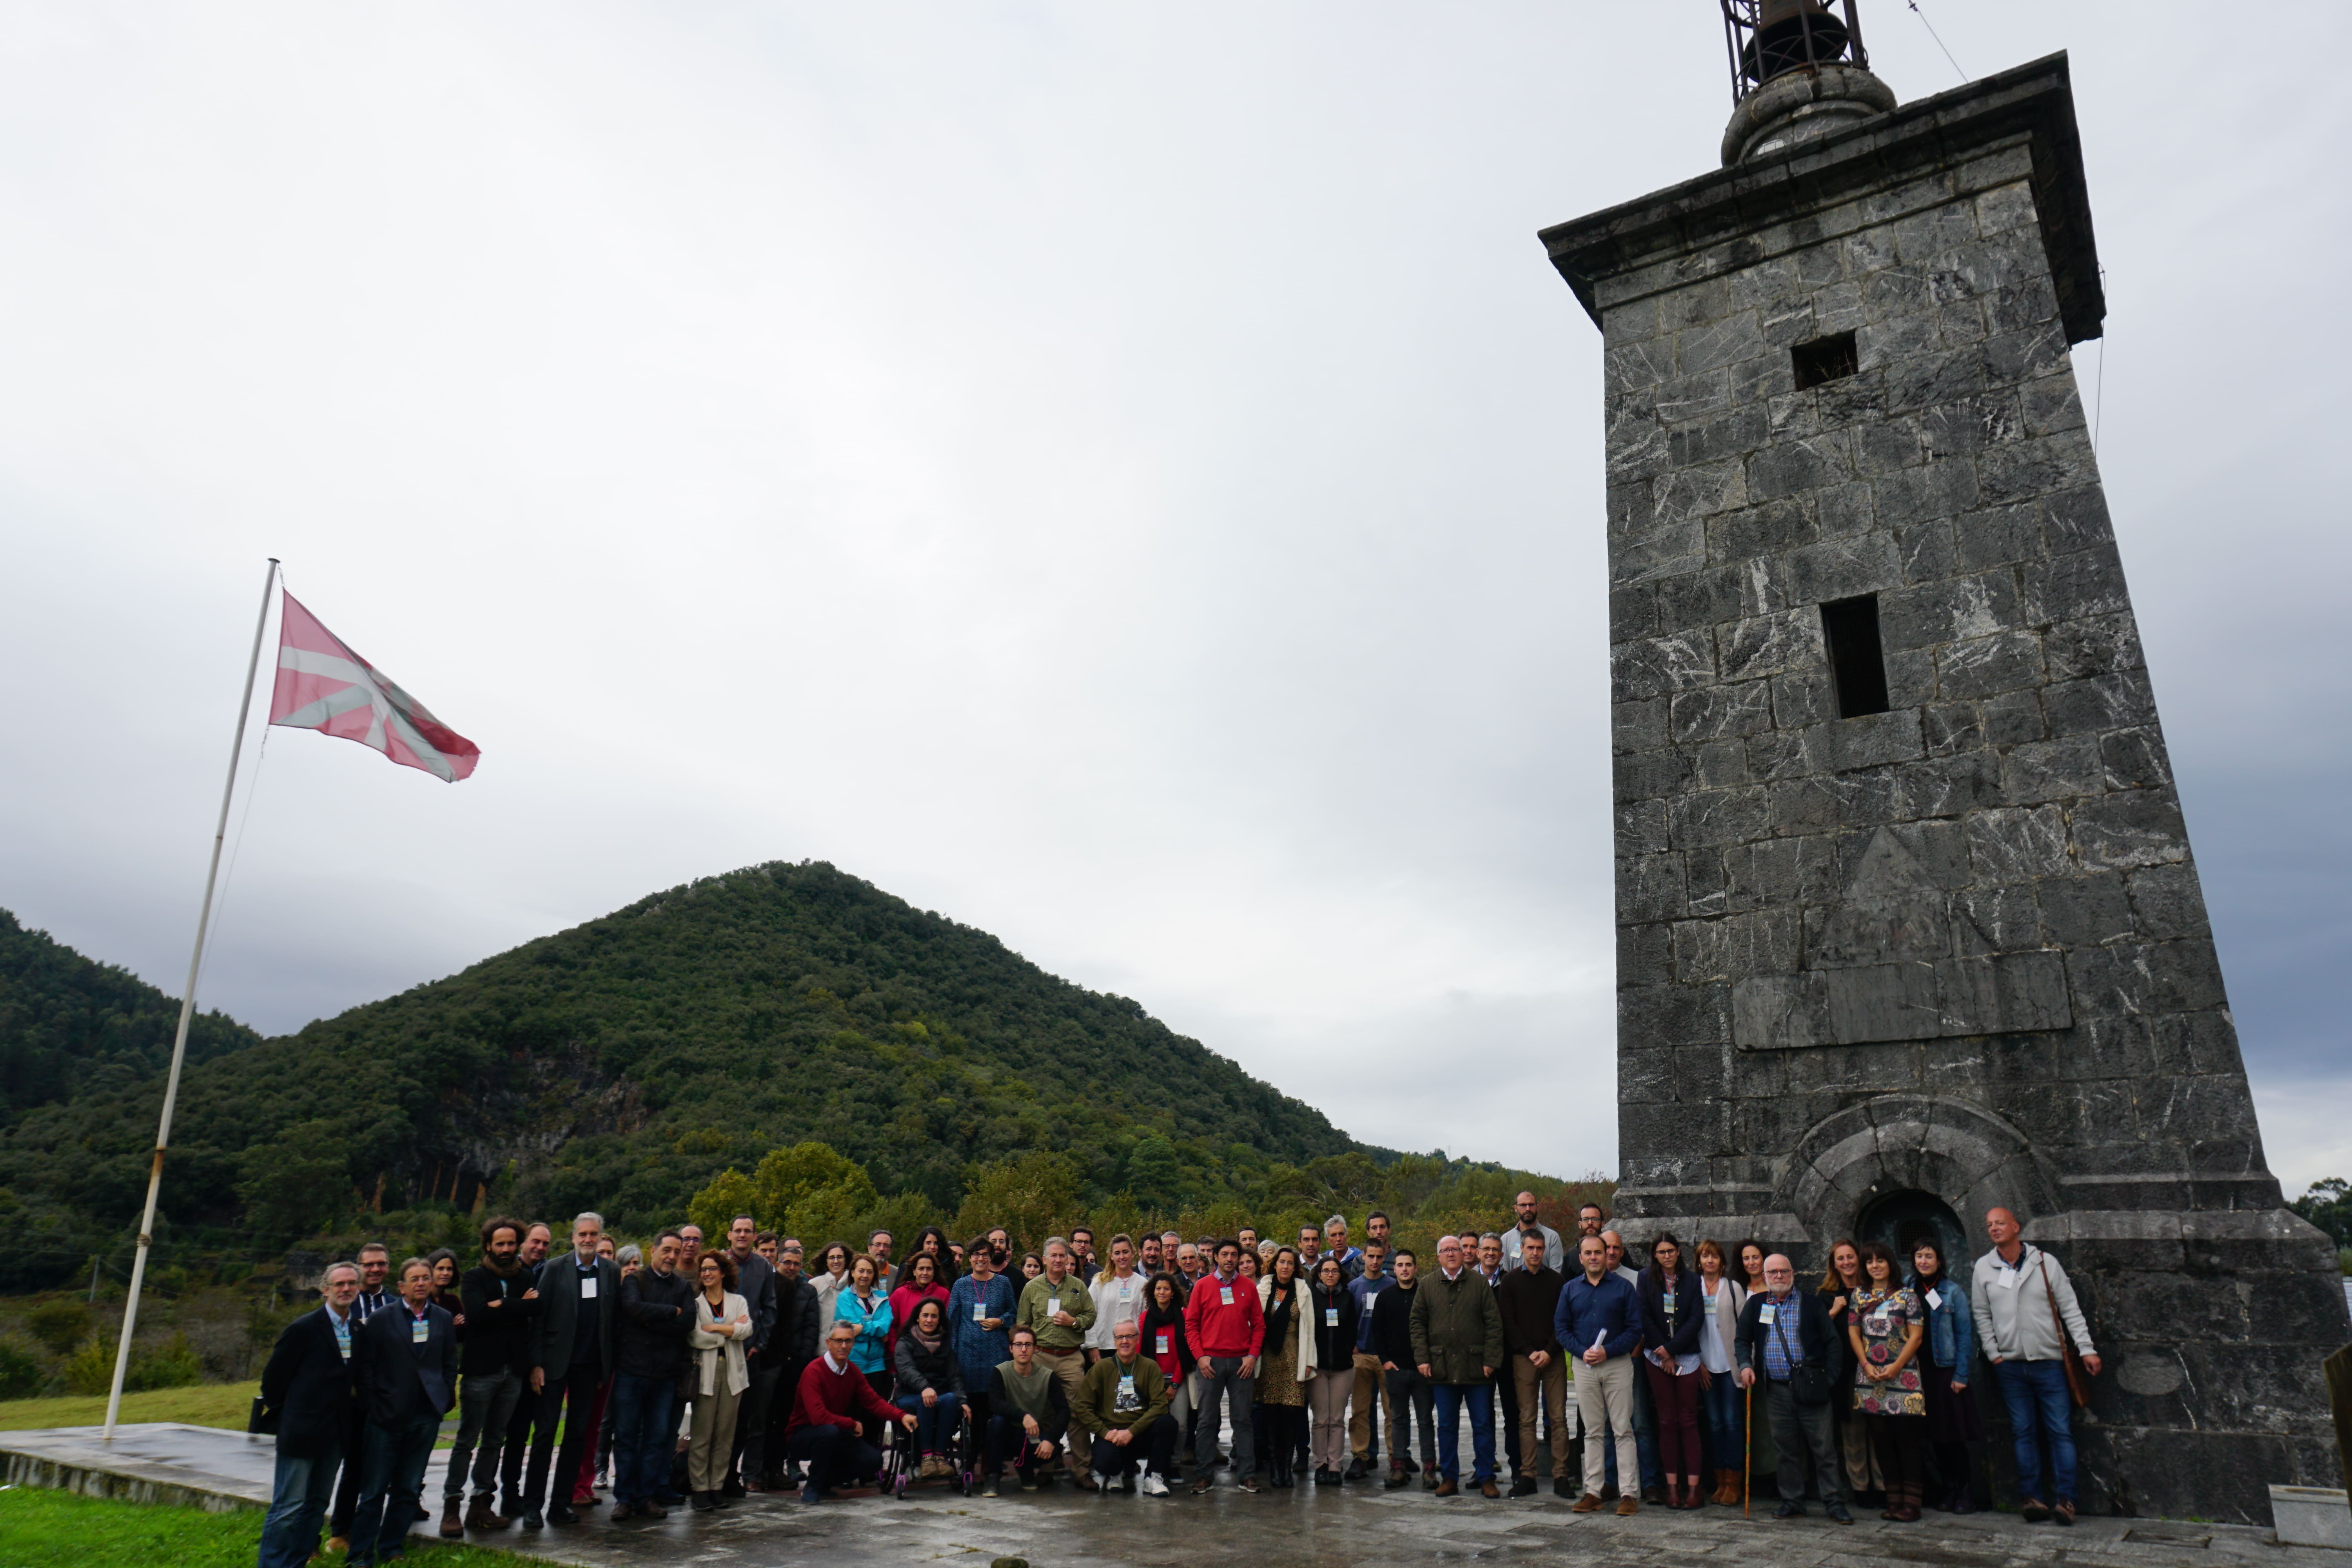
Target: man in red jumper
[825,1433]
[1227,1329]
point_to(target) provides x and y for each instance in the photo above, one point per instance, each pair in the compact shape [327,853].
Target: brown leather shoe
[1588,1503]
[1490,1490]
[1446,1489]
[479,1515]
[1627,1508]
[452,1527]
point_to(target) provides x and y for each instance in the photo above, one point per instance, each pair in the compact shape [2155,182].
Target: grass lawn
[42,1529]
[204,1404]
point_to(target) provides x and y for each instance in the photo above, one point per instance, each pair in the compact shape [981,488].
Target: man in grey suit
[572,1349]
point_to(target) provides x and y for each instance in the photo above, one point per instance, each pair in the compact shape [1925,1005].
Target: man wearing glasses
[1784,1345]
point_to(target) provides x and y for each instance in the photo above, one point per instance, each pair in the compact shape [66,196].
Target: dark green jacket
[1097,1408]
[1457,1329]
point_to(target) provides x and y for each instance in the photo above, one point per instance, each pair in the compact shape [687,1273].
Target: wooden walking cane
[1746,1461]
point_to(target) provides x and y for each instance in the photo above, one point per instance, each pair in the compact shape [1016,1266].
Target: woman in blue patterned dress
[1885,1322]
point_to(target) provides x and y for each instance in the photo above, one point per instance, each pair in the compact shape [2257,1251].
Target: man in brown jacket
[1457,1344]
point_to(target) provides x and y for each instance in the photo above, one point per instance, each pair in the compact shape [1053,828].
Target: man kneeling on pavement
[1123,1406]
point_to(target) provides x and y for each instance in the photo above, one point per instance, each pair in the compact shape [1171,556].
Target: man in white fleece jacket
[2018,1295]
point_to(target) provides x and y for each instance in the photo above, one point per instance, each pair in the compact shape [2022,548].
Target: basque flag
[324,685]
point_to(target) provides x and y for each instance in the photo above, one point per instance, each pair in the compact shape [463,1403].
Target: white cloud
[1128,480]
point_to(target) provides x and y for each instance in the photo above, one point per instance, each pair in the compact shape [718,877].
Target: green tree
[801,1187]
[1030,1194]
[298,1181]
[1155,1173]
[2328,1205]
[730,1192]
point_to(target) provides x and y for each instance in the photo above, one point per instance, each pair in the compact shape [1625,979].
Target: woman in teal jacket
[1951,1350]
[863,1306]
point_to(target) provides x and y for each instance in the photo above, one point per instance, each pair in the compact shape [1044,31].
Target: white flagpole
[187,1011]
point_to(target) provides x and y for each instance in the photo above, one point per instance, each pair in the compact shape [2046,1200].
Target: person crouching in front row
[826,1431]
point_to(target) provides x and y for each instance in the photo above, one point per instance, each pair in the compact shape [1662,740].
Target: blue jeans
[937,1425]
[1720,1408]
[298,1495]
[1480,1397]
[642,1437]
[391,1477]
[2036,1393]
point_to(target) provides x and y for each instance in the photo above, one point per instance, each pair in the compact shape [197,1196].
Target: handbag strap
[2065,1344]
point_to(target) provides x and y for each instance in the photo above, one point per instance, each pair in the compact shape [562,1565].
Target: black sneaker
[561,1513]
[1790,1510]
[1560,1488]
[1356,1470]
[531,1519]
[1523,1486]
[1838,1512]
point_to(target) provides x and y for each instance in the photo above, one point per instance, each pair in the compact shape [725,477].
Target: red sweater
[827,1399]
[1217,1330]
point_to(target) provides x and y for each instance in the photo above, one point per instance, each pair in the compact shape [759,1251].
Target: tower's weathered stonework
[1878,973]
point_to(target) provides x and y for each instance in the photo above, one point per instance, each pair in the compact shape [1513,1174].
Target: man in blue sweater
[1599,1321]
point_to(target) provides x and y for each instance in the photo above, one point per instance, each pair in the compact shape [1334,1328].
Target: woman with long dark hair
[1332,1312]
[832,1274]
[1164,1341]
[1842,1281]
[1885,1322]
[1763,1454]
[1284,1366]
[1672,1314]
[918,1282]
[1951,1349]
[931,1385]
[862,1305]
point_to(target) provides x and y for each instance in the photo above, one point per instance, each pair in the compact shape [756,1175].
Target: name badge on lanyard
[1768,1314]
[587,1286]
[420,1330]
[1330,1317]
[1225,1295]
[1710,1306]
[1166,1347]
[980,1312]
[1934,1300]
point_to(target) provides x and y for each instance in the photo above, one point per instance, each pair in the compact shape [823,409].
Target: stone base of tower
[2211,1327]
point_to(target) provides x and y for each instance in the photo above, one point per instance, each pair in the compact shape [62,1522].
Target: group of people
[687,1372]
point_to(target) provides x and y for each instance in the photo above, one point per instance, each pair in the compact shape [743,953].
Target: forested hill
[69,1025]
[622,1064]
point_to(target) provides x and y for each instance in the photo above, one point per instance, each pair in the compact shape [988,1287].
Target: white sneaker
[1153,1485]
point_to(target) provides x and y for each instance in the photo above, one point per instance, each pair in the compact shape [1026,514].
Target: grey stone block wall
[1958,946]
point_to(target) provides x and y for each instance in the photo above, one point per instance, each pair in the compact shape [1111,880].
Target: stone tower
[1907,925]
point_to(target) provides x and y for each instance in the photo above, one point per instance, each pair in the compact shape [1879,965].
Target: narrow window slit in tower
[1824,359]
[1850,626]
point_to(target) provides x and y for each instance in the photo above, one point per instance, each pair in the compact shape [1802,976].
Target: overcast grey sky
[1123,477]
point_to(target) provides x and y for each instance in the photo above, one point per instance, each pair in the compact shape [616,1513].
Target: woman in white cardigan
[722,1321]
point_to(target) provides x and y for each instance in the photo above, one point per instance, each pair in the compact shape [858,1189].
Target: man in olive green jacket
[1060,1309]
[1123,1406]
[1458,1341]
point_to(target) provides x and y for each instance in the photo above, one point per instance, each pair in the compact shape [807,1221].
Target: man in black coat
[656,1315]
[1787,1345]
[501,1298]
[308,1384]
[792,1346]
[573,1349]
[516,1447]
[755,1282]
[405,1371]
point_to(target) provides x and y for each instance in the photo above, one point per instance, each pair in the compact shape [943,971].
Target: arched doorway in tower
[1901,1218]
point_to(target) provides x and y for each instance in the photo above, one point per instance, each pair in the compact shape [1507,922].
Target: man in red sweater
[825,1433]
[1227,1329]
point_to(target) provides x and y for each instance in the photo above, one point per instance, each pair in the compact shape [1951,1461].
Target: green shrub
[22,1370]
[171,1364]
[60,1324]
[90,1369]
[2344,1259]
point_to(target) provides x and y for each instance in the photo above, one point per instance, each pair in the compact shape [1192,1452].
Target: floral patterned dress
[1885,1318]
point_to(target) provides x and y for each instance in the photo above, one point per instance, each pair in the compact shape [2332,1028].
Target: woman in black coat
[1332,1309]
[1673,1312]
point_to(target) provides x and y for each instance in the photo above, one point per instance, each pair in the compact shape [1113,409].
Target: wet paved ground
[1304,1528]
